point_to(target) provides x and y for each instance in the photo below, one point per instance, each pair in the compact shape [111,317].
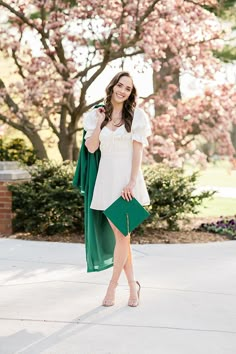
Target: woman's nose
[121,90]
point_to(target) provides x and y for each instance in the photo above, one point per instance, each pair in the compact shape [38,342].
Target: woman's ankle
[109,299]
[131,282]
[113,283]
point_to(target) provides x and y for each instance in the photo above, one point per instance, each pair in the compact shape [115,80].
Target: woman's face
[122,90]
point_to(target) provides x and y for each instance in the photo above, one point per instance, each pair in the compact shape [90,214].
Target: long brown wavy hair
[129,104]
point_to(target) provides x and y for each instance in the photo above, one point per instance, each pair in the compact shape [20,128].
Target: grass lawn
[219,175]
[218,207]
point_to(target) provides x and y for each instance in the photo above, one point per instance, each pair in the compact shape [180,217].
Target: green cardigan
[99,237]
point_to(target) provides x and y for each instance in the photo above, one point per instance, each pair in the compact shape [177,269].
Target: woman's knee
[114,228]
[119,234]
[122,238]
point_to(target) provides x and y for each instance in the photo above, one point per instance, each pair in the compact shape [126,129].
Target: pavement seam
[122,286]
[38,261]
[116,325]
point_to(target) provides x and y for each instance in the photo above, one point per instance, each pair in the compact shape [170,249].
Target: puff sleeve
[89,122]
[140,128]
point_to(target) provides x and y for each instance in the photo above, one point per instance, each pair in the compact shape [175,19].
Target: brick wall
[10,173]
[5,210]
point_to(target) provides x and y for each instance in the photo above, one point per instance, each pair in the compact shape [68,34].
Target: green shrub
[172,194]
[48,204]
[17,150]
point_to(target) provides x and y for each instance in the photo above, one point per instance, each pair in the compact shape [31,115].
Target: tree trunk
[233,135]
[37,143]
[65,146]
[161,85]
[75,148]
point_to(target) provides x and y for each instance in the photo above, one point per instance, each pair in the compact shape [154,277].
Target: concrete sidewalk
[49,304]
[222,192]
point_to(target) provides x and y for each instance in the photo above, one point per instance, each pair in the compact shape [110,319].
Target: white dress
[116,159]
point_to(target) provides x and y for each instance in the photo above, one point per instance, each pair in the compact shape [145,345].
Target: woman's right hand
[100,112]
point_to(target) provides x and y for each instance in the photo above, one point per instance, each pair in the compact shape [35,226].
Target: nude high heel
[108,299]
[134,302]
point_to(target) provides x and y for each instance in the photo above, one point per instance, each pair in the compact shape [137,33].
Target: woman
[120,131]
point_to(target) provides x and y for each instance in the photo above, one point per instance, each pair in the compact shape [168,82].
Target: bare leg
[120,257]
[128,267]
[129,272]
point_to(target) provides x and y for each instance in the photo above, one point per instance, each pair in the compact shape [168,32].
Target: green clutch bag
[126,216]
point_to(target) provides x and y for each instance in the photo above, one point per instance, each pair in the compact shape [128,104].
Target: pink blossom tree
[79,39]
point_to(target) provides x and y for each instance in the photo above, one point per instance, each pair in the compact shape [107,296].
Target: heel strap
[133,281]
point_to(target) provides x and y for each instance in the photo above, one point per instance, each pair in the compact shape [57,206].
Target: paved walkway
[50,305]
[223,192]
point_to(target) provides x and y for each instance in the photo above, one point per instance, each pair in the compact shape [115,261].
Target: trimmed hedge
[17,150]
[172,194]
[48,204]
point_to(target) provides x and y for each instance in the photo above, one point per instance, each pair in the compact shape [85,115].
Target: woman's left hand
[127,192]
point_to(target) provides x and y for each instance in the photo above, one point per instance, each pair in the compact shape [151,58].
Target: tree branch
[83,110]
[149,97]
[61,55]
[187,142]
[8,121]
[52,126]
[19,15]
[88,83]
[136,37]
[26,125]
[88,107]
[130,43]
[8,100]
[147,12]
[75,131]
[43,34]
[200,5]
[43,15]
[46,116]
[114,56]
[17,63]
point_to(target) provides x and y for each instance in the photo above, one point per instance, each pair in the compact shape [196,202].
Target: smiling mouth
[120,96]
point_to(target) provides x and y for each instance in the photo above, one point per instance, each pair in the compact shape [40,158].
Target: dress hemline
[143,204]
[100,269]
